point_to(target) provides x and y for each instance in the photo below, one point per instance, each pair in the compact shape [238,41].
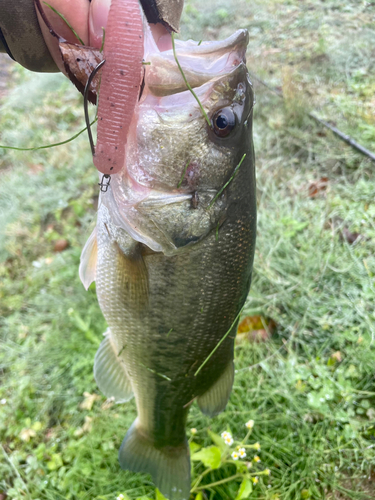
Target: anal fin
[110,372]
[169,466]
[216,398]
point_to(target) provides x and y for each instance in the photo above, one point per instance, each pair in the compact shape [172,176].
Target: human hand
[27,42]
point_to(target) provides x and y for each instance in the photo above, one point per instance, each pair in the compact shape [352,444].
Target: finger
[76,13]
[98,18]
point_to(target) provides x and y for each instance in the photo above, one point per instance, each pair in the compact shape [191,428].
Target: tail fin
[169,466]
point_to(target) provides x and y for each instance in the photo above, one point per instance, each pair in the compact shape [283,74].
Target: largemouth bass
[173,249]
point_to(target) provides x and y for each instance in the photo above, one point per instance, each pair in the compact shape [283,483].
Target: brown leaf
[255,329]
[316,187]
[255,323]
[349,236]
[60,245]
[255,336]
[89,401]
[79,62]
[337,356]
[3,496]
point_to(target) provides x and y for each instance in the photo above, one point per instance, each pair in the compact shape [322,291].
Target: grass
[310,387]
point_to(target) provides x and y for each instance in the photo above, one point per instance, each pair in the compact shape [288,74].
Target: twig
[344,137]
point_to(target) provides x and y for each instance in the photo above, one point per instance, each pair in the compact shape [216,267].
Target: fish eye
[223,122]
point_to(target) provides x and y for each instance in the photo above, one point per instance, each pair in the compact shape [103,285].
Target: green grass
[314,414]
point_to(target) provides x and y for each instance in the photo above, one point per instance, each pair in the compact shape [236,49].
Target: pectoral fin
[216,398]
[110,371]
[134,277]
[89,257]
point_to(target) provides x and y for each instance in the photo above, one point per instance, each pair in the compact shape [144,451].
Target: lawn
[308,385]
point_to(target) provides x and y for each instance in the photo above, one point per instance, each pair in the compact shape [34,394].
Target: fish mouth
[200,62]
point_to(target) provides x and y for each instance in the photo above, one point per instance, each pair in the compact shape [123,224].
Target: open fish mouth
[201,62]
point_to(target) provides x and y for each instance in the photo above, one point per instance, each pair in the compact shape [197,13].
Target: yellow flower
[242,453]
[250,424]
[256,458]
[193,430]
[255,479]
[235,455]
[257,446]
[267,472]
[120,497]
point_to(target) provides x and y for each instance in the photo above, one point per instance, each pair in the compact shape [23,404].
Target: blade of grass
[227,183]
[220,342]
[50,145]
[103,40]
[188,84]
[183,175]
[65,21]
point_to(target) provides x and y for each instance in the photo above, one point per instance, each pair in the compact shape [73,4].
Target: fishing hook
[106,179]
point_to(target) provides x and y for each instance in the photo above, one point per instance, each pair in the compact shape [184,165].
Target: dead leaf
[255,329]
[337,224]
[337,356]
[50,434]
[79,62]
[89,401]
[316,187]
[348,236]
[3,496]
[86,427]
[108,403]
[36,169]
[27,434]
[60,245]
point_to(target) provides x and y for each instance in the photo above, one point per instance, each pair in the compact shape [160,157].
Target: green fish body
[172,256]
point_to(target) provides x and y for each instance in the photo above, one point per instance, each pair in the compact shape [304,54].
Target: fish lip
[184,97]
[200,63]
[239,41]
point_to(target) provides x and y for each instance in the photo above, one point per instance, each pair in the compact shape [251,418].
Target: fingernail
[98,18]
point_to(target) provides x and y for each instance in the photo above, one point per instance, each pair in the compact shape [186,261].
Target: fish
[172,251]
